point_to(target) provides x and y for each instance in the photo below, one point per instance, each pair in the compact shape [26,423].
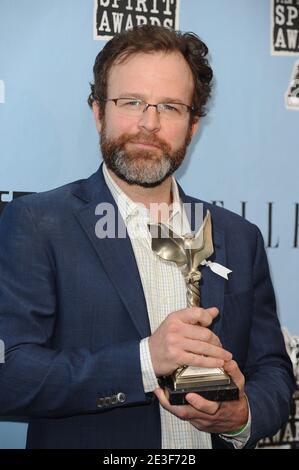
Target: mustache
[144,139]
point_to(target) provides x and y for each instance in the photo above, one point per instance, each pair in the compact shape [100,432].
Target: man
[90,322]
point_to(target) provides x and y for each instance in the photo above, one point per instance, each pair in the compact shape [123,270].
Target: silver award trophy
[188,252]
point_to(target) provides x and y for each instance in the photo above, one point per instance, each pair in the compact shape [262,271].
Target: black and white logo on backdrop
[113,16]
[292,94]
[285,27]
[288,436]
[8,196]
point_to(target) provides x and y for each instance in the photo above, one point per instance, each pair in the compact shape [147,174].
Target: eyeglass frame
[191,109]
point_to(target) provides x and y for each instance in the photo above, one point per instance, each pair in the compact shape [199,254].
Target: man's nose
[150,120]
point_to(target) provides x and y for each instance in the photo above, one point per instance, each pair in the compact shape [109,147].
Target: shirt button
[107,401]
[101,402]
[121,397]
[114,400]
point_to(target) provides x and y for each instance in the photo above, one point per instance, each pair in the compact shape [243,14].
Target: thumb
[232,369]
[213,311]
[195,315]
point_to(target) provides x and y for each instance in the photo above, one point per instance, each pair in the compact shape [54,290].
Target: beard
[143,167]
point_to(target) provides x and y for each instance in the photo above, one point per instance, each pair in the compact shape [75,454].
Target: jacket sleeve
[268,372]
[35,380]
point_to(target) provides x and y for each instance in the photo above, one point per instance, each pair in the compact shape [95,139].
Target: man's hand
[211,416]
[184,339]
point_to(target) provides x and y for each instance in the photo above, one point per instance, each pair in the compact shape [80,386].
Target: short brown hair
[147,39]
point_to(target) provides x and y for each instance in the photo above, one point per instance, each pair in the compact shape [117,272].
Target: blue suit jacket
[72,314]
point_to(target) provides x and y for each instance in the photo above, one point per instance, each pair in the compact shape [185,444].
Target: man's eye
[171,108]
[131,103]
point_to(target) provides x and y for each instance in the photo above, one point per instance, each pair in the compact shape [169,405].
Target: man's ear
[195,125]
[97,115]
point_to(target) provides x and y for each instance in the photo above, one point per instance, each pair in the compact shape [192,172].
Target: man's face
[146,149]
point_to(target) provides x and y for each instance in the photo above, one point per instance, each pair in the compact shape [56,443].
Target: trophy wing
[167,244]
[204,235]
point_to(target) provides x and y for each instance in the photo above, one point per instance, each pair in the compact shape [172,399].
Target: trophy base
[211,392]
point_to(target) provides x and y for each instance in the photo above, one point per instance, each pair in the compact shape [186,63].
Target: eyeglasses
[136,107]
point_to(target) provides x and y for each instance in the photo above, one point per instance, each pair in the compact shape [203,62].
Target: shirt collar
[129,208]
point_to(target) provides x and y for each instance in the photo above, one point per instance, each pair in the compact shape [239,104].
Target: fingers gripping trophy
[189,252]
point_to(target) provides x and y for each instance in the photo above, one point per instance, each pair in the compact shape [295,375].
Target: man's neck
[146,196]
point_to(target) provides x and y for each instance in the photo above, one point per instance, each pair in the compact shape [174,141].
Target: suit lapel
[116,254]
[212,290]
[118,260]
[212,285]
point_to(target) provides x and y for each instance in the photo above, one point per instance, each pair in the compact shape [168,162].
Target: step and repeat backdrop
[245,157]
